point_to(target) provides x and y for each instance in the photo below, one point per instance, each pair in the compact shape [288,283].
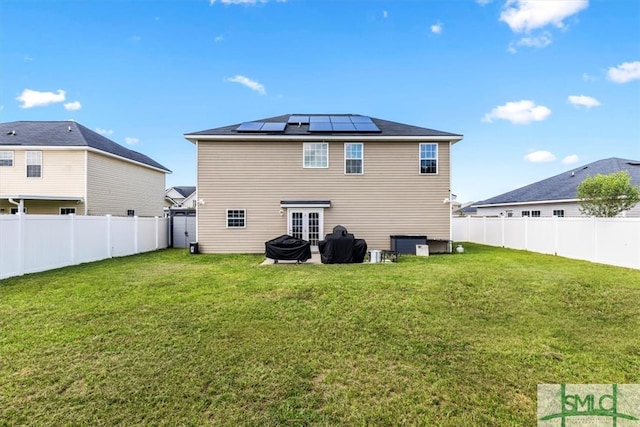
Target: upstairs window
[34,164]
[6,158]
[315,155]
[558,213]
[526,213]
[353,158]
[535,214]
[428,158]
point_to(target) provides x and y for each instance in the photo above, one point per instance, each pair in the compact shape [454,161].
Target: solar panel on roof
[320,127]
[366,127]
[299,119]
[361,119]
[343,127]
[340,119]
[317,119]
[273,127]
[250,127]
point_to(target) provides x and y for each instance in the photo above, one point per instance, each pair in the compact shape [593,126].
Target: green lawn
[169,338]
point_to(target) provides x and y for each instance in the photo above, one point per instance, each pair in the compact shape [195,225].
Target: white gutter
[320,137]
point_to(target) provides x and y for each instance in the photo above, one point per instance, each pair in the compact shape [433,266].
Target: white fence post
[109,238]
[21,242]
[72,236]
[135,234]
[157,232]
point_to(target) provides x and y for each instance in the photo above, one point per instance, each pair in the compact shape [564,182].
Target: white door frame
[307,232]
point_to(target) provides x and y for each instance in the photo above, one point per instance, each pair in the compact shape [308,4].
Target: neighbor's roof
[564,186]
[66,134]
[185,191]
[297,131]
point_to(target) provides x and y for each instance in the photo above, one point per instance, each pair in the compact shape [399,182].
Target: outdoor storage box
[407,244]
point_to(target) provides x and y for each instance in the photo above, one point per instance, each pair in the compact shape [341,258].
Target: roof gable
[564,186]
[66,134]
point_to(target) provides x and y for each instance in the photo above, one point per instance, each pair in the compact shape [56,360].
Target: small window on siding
[353,158]
[236,218]
[558,212]
[34,164]
[67,211]
[526,213]
[131,212]
[6,158]
[428,158]
[535,214]
[315,155]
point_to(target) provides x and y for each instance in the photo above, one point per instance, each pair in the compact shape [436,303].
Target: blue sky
[536,87]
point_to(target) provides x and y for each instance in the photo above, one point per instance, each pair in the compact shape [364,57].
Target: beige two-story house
[303,174]
[62,167]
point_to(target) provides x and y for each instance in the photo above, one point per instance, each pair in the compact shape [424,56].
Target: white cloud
[483,2]
[385,14]
[518,112]
[588,78]
[540,157]
[624,72]
[218,39]
[569,160]
[72,106]
[33,98]
[583,101]
[251,84]
[104,131]
[527,15]
[436,28]
[131,141]
[538,42]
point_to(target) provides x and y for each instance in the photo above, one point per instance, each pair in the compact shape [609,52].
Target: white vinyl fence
[614,241]
[31,243]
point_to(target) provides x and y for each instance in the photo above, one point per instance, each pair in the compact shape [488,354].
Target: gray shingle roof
[387,128]
[185,190]
[66,134]
[564,186]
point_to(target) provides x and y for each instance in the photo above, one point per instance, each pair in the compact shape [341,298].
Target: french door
[306,224]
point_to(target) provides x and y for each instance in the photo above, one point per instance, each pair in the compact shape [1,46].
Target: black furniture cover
[341,247]
[288,248]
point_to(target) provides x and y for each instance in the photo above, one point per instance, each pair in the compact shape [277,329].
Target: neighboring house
[304,174]
[556,196]
[181,197]
[61,167]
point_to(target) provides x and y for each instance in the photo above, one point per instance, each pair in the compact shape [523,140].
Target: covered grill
[342,247]
[288,248]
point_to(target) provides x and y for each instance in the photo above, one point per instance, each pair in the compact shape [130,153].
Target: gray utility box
[407,244]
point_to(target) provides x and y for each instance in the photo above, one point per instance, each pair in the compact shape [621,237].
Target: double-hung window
[428,158]
[236,218]
[6,158]
[353,158]
[315,155]
[34,164]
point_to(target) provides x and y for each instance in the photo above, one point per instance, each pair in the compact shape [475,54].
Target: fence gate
[183,228]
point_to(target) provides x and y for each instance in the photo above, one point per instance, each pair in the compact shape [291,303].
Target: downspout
[19,204]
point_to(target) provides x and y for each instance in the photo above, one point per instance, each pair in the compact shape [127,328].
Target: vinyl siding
[114,186]
[62,174]
[391,198]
